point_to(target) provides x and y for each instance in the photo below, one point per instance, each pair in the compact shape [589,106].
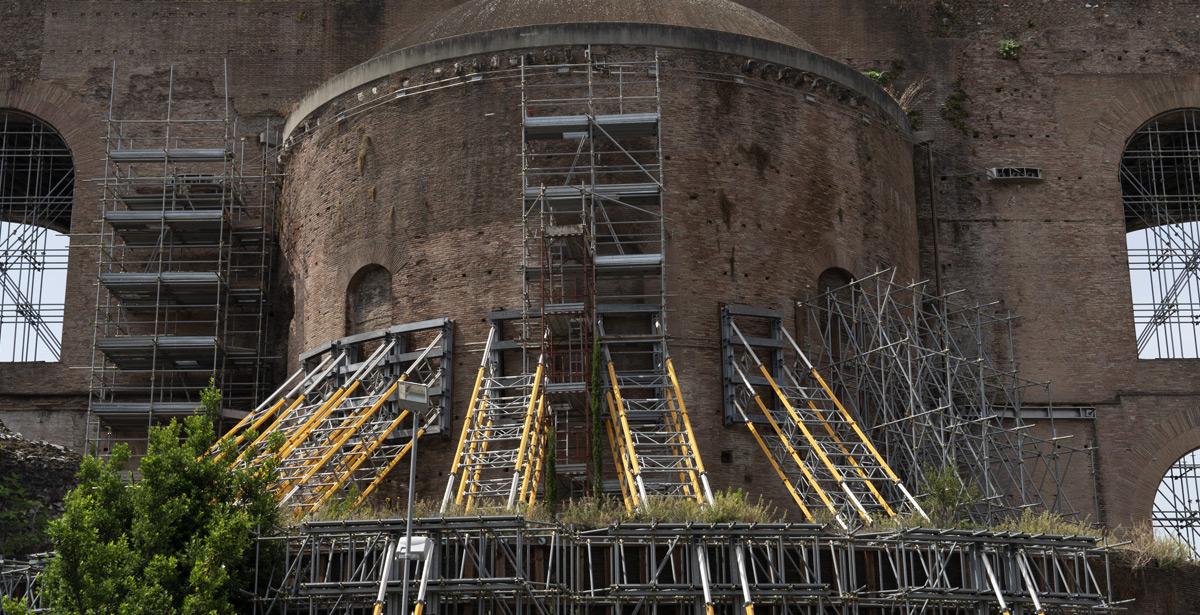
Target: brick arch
[80,123]
[1160,444]
[1125,114]
[75,120]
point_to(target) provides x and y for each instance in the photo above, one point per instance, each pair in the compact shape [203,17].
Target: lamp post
[414,397]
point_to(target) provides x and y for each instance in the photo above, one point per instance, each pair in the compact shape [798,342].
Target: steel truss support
[37,185]
[508,565]
[336,423]
[1160,189]
[812,440]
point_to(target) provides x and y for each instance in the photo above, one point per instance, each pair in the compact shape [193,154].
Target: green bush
[177,539]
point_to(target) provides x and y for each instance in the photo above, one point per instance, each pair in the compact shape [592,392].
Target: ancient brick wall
[1087,76]
[765,190]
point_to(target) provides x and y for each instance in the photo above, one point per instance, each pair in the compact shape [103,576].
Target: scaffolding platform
[170,155]
[144,352]
[139,411]
[147,227]
[142,291]
[575,127]
[509,565]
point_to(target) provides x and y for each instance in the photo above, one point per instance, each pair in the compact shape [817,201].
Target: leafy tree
[177,538]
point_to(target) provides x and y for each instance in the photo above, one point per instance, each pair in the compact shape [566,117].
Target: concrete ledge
[630,34]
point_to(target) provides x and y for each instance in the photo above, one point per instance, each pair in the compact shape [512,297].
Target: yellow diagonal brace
[480,447]
[861,436]
[812,441]
[388,468]
[850,457]
[537,431]
[324,410]
[467,421]
[787,445]
[269,430]
[626,456]
[613,442]
[360,457]
[787,482]
[698,461]
[252,428]
[624,421]
[534,397]
[337,444]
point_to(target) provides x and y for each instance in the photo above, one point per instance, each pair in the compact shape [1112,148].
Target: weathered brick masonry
[435,200]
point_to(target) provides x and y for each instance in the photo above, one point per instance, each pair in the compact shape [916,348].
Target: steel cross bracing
[1176,510]
[37,183]
[184,252]
[812,440]
[1160,184]
[337,426]
[19,581]
[511,566]
[925,373]
[594,245]
[651,439]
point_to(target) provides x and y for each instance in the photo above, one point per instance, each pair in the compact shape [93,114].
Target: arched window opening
[37,189]
[834,286]
[1160,189]
[369,300]
[1176,511]
[833,278]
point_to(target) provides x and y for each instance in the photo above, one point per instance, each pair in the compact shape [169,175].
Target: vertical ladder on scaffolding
[813,441]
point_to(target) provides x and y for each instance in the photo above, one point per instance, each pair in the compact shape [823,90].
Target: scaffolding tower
[184,268]
[933,380]
[589,359]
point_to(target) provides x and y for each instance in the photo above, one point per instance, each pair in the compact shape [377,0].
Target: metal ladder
[815,444]
[502,445]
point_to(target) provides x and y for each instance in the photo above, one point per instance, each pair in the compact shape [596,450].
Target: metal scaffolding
[509,565]
[590,358]
[37,191]
[1160,187]
[341,421]
[184,268]
[1176,511]
[813,442]
[926,375]
[19,580]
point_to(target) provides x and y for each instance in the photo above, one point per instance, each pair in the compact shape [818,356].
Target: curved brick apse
[767,185]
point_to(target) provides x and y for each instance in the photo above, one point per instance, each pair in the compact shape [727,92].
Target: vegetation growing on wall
[955,111]
[21,512]
[1010,49]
